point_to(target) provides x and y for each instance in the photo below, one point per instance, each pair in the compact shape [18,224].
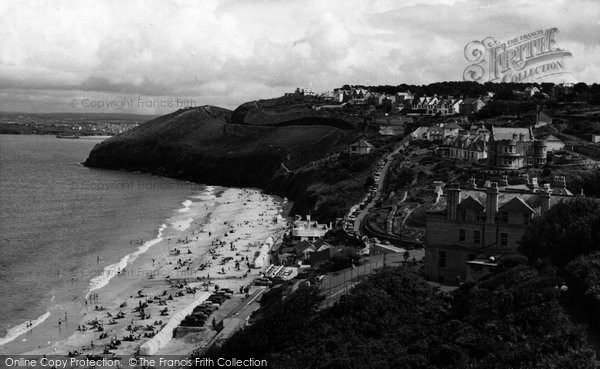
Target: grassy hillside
[206,145]
[291,110]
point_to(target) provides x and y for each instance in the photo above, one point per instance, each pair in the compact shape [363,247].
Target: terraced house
[477,223]
[470,147]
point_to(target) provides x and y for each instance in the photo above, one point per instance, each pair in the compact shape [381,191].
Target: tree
[583,279]
[567,230]
[395,319]
[580,88]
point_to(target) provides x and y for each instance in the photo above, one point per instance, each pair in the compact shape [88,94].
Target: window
[503,217]
[503,239]
[477,237]
[442,259]
[479,216]
[526,218]
[461,214]
[461,234]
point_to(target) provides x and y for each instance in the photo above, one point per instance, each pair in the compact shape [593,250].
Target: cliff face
[204,146]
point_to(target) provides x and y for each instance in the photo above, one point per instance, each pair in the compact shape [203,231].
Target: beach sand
[174,272]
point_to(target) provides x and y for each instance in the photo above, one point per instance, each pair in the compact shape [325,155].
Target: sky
[153,57]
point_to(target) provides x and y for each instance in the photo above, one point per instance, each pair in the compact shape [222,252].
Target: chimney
[545,195]
[524,177]
[452,200]
[491,207]
[504,181]
[534,182]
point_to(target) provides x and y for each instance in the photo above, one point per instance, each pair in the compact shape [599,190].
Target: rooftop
[513,197]
[512,133]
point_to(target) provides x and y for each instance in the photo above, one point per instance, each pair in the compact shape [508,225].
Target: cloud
[228,52]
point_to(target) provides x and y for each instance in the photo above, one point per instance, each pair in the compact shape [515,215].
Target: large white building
[308,230]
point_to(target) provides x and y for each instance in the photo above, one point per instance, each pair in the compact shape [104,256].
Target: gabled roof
[471,203]
[362,143]
[320,243]
[530,202]
[516,204]
[552,138]
[304,245]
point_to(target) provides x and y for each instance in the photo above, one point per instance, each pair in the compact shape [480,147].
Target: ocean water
[62,224]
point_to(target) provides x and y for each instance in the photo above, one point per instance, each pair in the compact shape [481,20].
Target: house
[474,223]
[475,129]
[438,132]
[515,148]
[324,253]
[478,104]
[595,138]
[360,147]
[432,105]
[441,131]
[466,106]
[328,96]
[403,96]
[303,249]
[391,130]
[531,91]
[421,133]
[468,147]
[553,143]
[456,106]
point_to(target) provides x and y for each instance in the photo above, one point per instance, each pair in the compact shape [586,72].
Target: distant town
[67,124]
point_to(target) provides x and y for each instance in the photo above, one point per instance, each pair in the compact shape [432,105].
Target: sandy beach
[212,240]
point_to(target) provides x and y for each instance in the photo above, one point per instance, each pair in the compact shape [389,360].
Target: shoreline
[205,229]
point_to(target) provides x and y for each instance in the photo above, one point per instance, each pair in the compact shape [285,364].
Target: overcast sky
[58,55]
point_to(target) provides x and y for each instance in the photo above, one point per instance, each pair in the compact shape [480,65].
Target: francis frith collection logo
[526,58]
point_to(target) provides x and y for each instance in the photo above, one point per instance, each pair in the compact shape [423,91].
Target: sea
[62,223]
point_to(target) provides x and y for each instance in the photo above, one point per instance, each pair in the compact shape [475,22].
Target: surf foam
[114,269]
[22,328]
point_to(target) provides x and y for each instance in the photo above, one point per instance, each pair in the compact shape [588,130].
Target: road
[358,223]
[337,284]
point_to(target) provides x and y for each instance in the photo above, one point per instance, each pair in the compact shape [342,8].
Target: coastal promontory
[278,145]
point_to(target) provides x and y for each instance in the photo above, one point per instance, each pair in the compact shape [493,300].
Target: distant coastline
[70,124]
